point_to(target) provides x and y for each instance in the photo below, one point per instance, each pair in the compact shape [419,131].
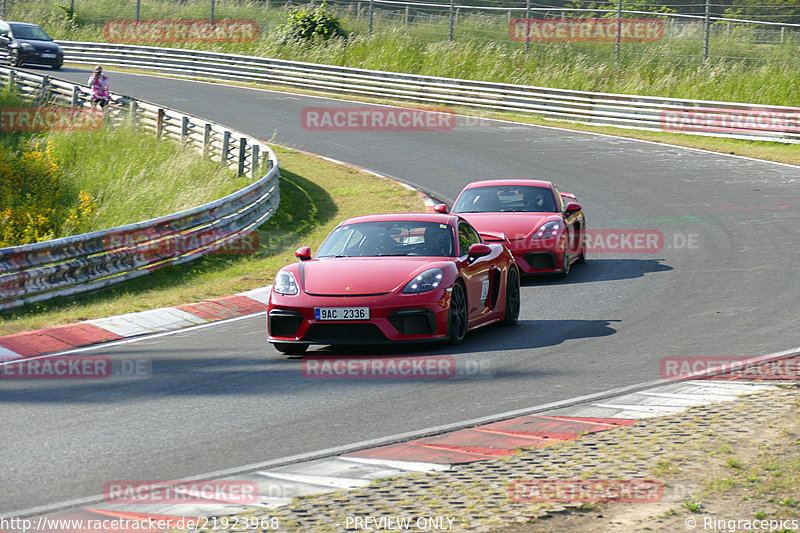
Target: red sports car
[393,278]
[543,228]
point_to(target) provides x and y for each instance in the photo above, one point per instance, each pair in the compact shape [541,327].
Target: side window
[467,236]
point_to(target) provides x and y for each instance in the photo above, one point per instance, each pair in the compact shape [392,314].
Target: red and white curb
[280,481]
[60,338]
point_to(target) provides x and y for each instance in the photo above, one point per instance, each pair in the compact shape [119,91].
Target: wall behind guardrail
[698,117]
[82,263]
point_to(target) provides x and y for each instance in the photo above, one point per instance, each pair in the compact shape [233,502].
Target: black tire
[58,65]
[288,348]
[457,316]
[581,258]
[13,58]
[512,298]
[565,265]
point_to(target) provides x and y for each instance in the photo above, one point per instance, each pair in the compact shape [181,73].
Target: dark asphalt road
[220,397]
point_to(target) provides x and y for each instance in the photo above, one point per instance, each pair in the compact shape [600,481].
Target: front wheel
[288,348]
[58,65]
[565,265]
[457,317]
[512,298]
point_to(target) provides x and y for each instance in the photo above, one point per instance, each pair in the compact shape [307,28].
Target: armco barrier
[90,261]
[699,117]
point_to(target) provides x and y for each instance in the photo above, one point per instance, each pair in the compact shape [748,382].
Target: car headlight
[427,281]
[27,47]
[547,230]
[285,283]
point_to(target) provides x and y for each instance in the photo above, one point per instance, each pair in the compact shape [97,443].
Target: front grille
[343,332]
[540,261]
[413,321]
[284,323]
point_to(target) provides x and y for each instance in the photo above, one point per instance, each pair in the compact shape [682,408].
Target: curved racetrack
[221,397]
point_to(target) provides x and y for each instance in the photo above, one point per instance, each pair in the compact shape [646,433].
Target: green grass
[136,177]
[313,201]
[741,68]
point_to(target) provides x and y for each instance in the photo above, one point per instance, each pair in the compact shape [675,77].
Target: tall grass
[741,67]
[136,177]
[55,184]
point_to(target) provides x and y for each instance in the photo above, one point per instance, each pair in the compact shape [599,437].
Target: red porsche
[393,278]
[543,228]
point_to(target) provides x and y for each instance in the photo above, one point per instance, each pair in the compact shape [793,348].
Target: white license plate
[48,56]
[341,313]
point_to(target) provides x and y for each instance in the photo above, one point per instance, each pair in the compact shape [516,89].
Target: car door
[475,271]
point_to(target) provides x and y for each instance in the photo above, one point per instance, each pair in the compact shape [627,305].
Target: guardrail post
[75,96]
[133,111]
[405,20]
[206,140]
[226,144]
[242,155]
[184,128]
[254,161]
[12,78]
[159,122]
[358,11]
[45,88]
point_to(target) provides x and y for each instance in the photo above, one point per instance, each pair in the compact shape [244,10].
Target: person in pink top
[99,85]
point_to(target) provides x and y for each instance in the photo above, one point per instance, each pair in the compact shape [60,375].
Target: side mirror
[479,250]
[572,207]
[303,254]
[440,208]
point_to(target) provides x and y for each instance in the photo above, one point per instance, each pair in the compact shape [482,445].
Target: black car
[28,43]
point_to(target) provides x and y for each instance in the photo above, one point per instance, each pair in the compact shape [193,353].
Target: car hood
[513,225]
[353,276]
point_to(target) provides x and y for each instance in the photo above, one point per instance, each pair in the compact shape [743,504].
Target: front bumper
[393,318]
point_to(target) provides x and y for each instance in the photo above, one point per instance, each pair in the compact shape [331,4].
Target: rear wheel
[512,298]
[457,317]
[290,348]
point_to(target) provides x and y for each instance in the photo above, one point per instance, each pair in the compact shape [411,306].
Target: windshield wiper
[392,255]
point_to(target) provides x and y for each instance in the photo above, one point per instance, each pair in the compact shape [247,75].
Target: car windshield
[506,198]
[389,238]
[29,32]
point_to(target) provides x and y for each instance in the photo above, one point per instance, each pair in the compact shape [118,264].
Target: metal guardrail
[699,117]
[82,263]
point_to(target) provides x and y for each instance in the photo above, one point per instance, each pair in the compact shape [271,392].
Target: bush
[306,24]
